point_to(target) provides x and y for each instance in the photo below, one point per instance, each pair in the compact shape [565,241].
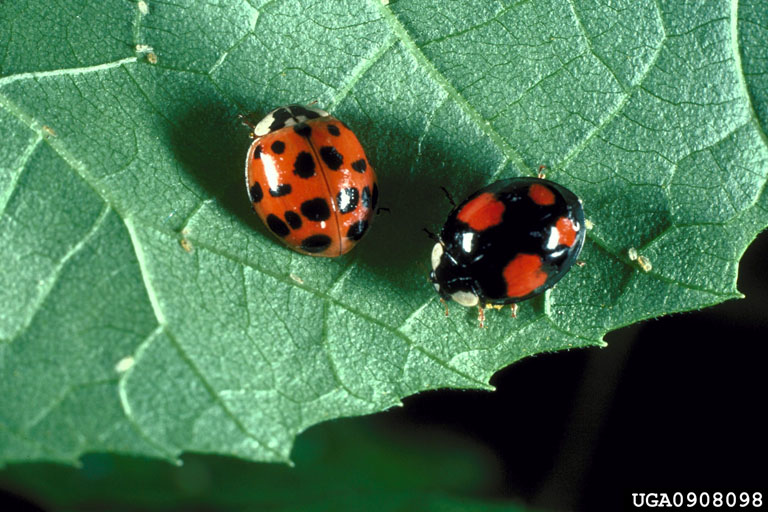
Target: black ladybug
[507,242]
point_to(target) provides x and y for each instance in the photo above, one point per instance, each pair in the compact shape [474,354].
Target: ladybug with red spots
[507,242]
[310,181]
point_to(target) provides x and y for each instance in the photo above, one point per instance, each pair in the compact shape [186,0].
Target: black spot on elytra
[347,199]
[316,209]
[375,196]
[281,190]
[255,193]
[257,152]
[357,230]
[302,129]
[293,219]
[359,165]
[316,243]
[366,199]
[277,226]
[331,157]
[304,167]
[334,130]
[278,146]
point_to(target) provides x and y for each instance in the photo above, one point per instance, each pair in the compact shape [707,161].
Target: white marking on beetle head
[320,112]
[467,299]
[262,128]
[290,115]
[437,253]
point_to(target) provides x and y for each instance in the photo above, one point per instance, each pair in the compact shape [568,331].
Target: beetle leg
[449,196]
[513,309]
[481,315]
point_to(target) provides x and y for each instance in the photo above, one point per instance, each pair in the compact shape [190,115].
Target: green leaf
[339,466]
[145,310]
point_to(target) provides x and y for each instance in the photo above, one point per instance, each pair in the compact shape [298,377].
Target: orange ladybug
[310,181]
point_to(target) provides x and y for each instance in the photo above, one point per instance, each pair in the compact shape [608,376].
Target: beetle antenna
[449,196]
[432,236]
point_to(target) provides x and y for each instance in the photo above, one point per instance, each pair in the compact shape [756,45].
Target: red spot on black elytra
[541,195]
[523,274]
[567,231]
[482,212]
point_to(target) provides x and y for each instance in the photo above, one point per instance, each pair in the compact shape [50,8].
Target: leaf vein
[628,93]
[331,360]
[215,396]
[410,45]
[359,71]
[52,278]
[287,280]
[735,47]
[24,158]
[588,39]
[220,61]
[64,72]
[154,301]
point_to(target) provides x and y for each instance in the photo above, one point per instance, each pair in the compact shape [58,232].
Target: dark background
[671,405]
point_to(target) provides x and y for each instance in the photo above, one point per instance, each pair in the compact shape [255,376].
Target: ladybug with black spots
[310,181]
[506,243]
